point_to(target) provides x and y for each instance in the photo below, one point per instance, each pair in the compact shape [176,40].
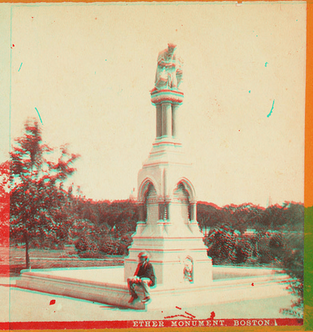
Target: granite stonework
[106,285]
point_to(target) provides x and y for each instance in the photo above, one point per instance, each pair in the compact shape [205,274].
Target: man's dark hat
[143,254]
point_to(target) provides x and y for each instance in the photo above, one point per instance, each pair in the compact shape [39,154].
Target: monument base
[107,285]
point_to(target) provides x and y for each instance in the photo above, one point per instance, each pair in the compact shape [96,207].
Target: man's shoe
[132,299]
[146,300]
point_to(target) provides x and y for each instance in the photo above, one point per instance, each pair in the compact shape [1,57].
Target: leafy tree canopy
[38,200]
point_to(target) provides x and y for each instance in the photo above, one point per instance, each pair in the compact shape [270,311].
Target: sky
[86,70]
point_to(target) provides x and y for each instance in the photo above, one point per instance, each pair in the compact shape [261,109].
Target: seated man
[144,277]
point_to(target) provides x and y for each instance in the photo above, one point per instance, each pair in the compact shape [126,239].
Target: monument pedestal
[176,260]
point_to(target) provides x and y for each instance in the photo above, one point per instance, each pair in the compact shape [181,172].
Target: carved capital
[167,96]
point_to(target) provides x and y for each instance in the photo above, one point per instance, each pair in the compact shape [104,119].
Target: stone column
[141,212]
[193,212]
[161,211]
[174,121]
[158,120]
[166,212]
[166,102]
[166,120]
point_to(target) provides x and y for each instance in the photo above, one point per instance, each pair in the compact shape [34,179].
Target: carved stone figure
[169,73]
[188,269]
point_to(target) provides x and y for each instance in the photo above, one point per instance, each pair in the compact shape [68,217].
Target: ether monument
[167,228]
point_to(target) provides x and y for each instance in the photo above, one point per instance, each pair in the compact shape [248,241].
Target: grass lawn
[48,259]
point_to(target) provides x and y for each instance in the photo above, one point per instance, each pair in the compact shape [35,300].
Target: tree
[4,202]
[38,200]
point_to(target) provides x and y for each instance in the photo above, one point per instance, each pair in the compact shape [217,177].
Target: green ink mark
[20,67]
[266,63]
[270,113]
[249,91]
[38,115]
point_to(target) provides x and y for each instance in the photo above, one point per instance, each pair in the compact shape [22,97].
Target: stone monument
[167,228]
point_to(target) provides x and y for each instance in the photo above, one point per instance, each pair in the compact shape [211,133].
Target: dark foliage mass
[286,217]
[104,227]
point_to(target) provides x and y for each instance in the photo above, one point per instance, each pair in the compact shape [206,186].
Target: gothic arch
[188,187]
[144,188]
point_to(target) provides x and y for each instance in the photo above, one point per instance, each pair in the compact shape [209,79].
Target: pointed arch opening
[148,202]
[184,195]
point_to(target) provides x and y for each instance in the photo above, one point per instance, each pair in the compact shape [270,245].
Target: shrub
[86,244]
[221,245]
[109,246]
[264,252]
[244,250]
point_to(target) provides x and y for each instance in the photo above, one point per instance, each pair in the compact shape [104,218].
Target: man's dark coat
[145,270]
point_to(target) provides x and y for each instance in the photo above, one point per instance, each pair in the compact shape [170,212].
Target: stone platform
[106,285]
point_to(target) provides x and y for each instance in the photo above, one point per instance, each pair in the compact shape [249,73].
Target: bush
[125,243]
[109,246]
[86,244]
[244,250]
[276,241]
[264,252]
[221,245]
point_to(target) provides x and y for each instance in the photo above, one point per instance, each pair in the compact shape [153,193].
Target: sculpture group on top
[169,73]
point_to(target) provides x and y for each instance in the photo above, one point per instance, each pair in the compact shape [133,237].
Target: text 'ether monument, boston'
[167,228]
